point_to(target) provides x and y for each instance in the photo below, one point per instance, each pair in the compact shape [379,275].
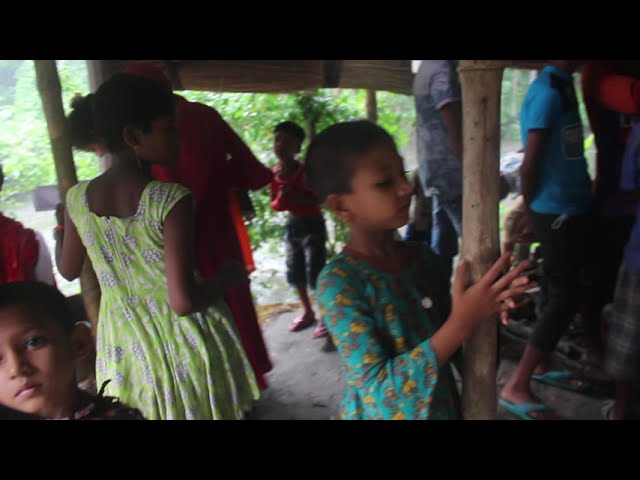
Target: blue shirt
[436,84]
[630,180]
[564,186]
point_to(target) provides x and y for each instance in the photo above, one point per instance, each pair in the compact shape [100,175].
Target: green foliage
[253,116]
[25,150]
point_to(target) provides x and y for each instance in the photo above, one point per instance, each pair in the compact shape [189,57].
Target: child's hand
[490,295]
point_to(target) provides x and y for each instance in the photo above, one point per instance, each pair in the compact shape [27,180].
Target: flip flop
[320,331]
[300,323]
[524,410]
[554,378]
[607,409]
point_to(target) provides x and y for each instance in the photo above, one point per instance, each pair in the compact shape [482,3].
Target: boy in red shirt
[305,232]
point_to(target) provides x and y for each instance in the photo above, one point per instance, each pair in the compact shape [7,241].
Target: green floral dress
[169,367]
[382,324]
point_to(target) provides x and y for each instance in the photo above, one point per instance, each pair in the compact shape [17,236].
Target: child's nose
[16,365]
[405,187]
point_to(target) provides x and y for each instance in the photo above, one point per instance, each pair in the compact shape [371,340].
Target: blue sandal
[555,379]
[523,410]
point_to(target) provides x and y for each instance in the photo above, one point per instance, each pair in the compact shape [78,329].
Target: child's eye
[35,342]
[385,183]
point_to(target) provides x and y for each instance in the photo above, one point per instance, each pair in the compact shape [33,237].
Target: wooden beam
[481,84]
[51,96]
[372,106]
[331,73]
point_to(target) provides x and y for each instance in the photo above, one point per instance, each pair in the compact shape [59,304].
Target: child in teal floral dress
[384,302]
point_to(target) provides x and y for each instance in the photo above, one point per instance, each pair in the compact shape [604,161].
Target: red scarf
[18,251]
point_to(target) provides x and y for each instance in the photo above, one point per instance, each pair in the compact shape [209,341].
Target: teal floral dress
[381,324]
[168,367]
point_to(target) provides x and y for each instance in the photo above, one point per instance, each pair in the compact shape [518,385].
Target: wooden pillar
[372,106]
[51,96]
[481,84]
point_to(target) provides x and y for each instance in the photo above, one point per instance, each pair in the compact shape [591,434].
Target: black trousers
[563,240]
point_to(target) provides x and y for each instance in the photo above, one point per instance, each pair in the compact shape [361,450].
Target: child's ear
[81,341]
[336,203]
[131,136]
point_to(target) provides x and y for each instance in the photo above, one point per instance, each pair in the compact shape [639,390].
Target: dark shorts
[305,242]
[606,240]
[622,359]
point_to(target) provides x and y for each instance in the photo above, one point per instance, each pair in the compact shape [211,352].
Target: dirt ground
[306,382]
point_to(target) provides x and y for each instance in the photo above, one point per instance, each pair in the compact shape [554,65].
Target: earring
[138,160]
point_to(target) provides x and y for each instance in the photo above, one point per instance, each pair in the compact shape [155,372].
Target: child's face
[37,372]
[285,145]
[380,192]
[161,145]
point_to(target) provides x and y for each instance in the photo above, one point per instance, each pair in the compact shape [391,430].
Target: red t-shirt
[280,188]
[19,251]
[612,100]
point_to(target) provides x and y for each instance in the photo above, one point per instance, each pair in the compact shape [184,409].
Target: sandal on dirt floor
[301,323]
[320,331]
[558,378]
[524,410]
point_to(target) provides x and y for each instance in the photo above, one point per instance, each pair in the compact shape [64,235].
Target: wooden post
[481,84]
[372,106]
[51,96]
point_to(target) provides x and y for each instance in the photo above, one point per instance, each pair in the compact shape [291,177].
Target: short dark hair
[80,122]
[41,296]
[293,129]
[128,99]
[331,162]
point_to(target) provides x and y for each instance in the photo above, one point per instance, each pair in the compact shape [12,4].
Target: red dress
[19,251]
[213,161]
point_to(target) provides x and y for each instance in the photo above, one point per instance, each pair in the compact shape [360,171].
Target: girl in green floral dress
[165,340]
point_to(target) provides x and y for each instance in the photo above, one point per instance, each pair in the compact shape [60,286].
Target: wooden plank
[481,83]
[50,91]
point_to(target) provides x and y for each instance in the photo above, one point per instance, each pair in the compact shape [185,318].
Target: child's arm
[186,296]
[540,112]
[70,252]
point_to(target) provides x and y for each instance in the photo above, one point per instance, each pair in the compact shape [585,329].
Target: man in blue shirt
[557,191]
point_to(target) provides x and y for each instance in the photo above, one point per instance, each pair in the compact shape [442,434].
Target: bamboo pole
[372,106]
[481,84]
[51,96]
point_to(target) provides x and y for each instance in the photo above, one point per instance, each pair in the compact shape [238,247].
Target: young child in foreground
[39,349]
[385,302]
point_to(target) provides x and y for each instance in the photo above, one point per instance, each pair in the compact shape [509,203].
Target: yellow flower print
[388,313]
[408,387]
[415,353]
[342,300]
[369,358]
[356,328]
[399,416]
[340,272]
